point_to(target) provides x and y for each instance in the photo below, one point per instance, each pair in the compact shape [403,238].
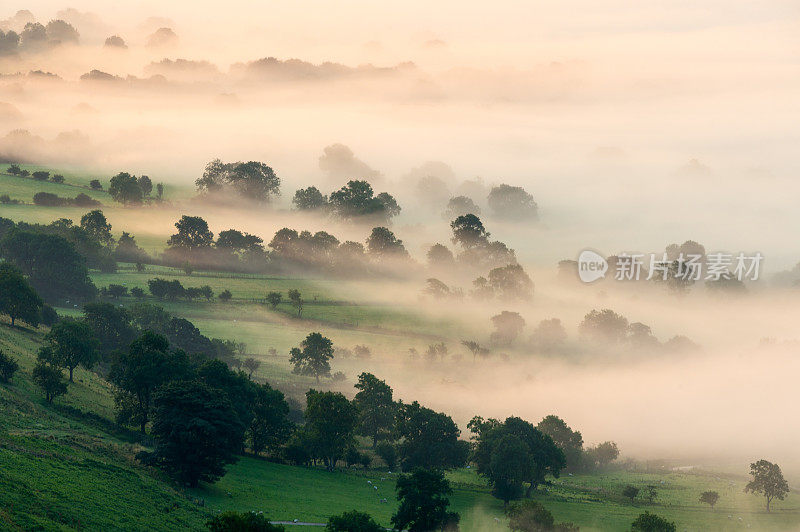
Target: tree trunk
[317,376]
[144,422]
[12,321]
[70,374]
[768,504]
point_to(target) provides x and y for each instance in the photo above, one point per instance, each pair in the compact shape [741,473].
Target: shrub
[49,315]
[231,521]
[94,184]
[225,296]
[648,522]
[353,521]
[388,454]
[57,178]
[46,199]
[137,292]
[41,175]
[108,264]
[82,200]
[8,366]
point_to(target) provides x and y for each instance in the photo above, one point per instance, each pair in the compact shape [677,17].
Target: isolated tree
[605,326]
[128,250]
[424,502]
[630,492]
[251,180]
[383,244]
[13,169]
[512,203]
[251,365]
[509,467]
[648,522]
[459,206]
[124,188]
[225,296]
[376,409]
[193,233]
[230,521]
[309,199]
[270,427]
[313,356]
[439,256]
[429,439]
[57,178]
[508,326]
[549,335]
[511,282]
[531,516]
[330,421]
[8,366]
[274,298]
[710,498]
[297,301]
[767,480]
[568,440]
[196,431]
[138,372]
[96,226]
[73,343]
[49,378]
[160,190]
[357,199]
[17,298]
[94,184]
[475,348]
[41,175]
[601,454]
[468,231]
[353,521]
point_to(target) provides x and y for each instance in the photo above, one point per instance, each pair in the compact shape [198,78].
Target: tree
[14,169]
[353,521]
[330,421]
[357,199]
[17,298]
[297,301]
[128,250]
[459,206]
[508,325]
[475,348]
[54,267]
[73,343]
[604,326]
[49,378]
[193,234]
[196,431]
[160,190]
[511,282]
[648,522]
[630,492]
[116,290]
[540,457]
[41,175]
[376,409]
[137,292]
[97,227]
[145,184]
[125,189]
[111,325]
[710,498]
[424,501]
[274,298]
[138,373]
[238,242]
[8,366]
[512,203]
[230,521]
[439,256]
[313,356]
[94,184]
[251,365]
[429,439]
[225,296]
[388,453]
[383,244]
[549,335]
[270,427]
[568,440]
[57,178]
[468,231]
[767,480]
[600,455]
[309,199]
[252,180]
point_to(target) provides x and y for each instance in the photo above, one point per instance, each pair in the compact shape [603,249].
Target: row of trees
[354,201]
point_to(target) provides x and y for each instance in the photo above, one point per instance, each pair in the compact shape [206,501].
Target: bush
[231,521]
[41,175]
[388,454]
[94,184]
[8,366]
[57,178]
[648,522]
[353,521]
[49,315]
[137,292]
[5,199]
[46,199]
[82,200]
[225,296]
[108,264]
